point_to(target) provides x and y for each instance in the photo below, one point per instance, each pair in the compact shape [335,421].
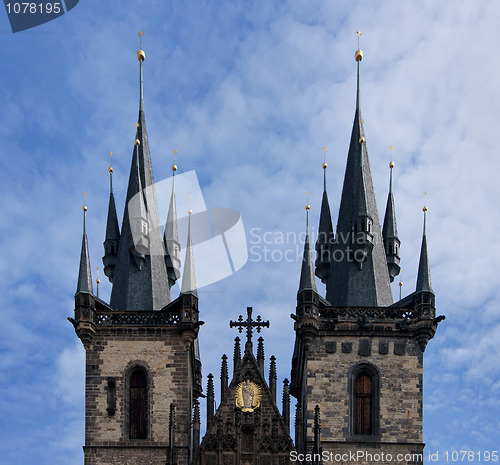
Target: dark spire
[223,377]
[272,377]
[390,234]
[307,279]
[424,271]
[84,274]
[286,405]
[236,355]
[189,275]
[112,238]
[317,430]
[196,428]
[358,267]
[260,354]
[325,235]
[210,399]
[142,283]
[171,237]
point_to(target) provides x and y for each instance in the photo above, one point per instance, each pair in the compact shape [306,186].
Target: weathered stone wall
[399,363]
[112,353]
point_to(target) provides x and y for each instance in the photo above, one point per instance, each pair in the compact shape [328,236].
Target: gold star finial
[141,56]
[425,203]
[325,165]
[308,207]
[189,211]
[110,169]
[359,53]
[174,166]
[84,201]
[391,164]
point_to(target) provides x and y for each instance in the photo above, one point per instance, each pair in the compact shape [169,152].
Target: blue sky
[249,93]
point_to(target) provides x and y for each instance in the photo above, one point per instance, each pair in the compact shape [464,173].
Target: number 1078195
[471,456]
[25,8]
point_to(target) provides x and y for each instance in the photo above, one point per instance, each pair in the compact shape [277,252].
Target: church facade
[357,365]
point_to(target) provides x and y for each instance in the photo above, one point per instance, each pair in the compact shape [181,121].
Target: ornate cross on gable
[249,324]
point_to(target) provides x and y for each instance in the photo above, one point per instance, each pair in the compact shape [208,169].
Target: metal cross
[249,324]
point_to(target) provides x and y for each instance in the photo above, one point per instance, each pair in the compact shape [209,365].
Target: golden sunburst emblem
[248,396]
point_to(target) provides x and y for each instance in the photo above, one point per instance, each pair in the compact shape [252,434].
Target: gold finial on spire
[97,281]
[425,203]
[362,139]
[141,56]
[84,199]
[174,166]
[325,164]
[359,53]
[189,211]
[400,285]
[391,164]
[110,169]
[137,141]
[308,207]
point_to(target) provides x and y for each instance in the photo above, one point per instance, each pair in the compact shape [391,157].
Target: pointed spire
[223,377]
[390,233]
[236,355]
[171,236]
[84,274]
[260,354]
[142,283]
[307,280]
[286,405]
[424,271]
[325,233]
[189,275]
[112,238]
[358,274]
[210,399]
[272,377]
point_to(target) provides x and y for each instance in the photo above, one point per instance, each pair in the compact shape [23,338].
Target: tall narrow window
[363,404]
[138,404]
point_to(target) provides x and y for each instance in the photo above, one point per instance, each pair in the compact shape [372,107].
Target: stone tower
[143,369]
[357,367]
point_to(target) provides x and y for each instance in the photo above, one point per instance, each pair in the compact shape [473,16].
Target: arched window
[138,404]
[364,392]
[363,404]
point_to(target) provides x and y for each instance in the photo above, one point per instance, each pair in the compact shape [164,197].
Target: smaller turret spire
[325,233]
[390,233]
[84,274]
[189,275]
[424,271]
[171,235]
[112,238]
[307,279]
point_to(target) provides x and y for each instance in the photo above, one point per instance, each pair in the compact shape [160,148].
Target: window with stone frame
[363,404]
[364,385]
[138,404]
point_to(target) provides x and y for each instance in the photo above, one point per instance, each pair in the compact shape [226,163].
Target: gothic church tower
[357,367]
[143,370]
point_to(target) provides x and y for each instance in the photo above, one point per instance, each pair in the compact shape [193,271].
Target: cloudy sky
[249,92]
